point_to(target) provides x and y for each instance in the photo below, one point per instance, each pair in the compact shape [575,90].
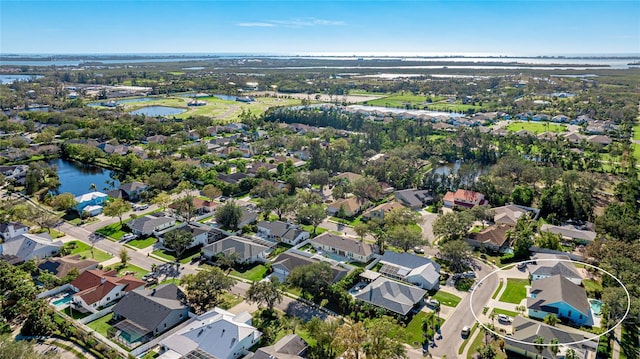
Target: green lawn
[254,274]
[505,312]
[495,294]
[636,132]
[230,300]
[636,151]
[478,342]
[413,330]
[75,314]
[593,286]
[309,228]
[447,299]
[536,127]
[515,291]
[186,256]
[113,231]
[142,242]
[100,325]
[137,271]
[52,232]
[398,101]
[84,250]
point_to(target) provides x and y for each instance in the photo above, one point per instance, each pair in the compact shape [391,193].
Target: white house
[96,288]
[243,250]
[9,230]
[150,224]
[199,231]
[28,246]
[214,334]
[346,247]
[279,231]
[416,270]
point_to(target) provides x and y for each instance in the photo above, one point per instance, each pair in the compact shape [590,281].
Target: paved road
[451,337]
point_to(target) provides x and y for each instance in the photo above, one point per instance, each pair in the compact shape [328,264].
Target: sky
[355,27]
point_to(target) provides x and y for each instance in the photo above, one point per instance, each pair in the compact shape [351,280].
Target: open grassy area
[309,228]
[515,291]
[479,341]
[447,299]
[505,312]
[170,256]
[413,330]
[455,107]
[131,269]
[399,101]
[113,231]
[255,273]
[495,294]
[536,127]
[100,325]
[84,250]
[636,151]
[230,300]
[75,314]
[592,286]
[142,242]
[164,254]
[636,132]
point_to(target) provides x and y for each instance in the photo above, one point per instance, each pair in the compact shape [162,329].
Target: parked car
[504,318]
[418,250]
[434,303]
[465,331]
[521,265]
[469,274]
[128,237]
[140,207]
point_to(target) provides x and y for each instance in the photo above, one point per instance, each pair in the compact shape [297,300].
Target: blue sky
[325,27]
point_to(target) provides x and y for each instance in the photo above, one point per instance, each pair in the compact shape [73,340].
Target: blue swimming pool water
[596,306]
[66,299]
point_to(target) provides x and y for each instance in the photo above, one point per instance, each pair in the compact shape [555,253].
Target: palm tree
[571,354]
[555,348]
[93,187]
[550,319]
[537,341]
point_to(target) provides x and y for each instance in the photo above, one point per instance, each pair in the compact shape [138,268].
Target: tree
[22,349]
[44,218]
[39,320]
[550,319]
[178,240]
[210,191]
[522,195]
[453,225]
[313,215]
[384,339]
[204,289]
[351,337]
[312,278]
[366,187]
[457,254]
[361,230]
[521,237]
[185,208]
[549,240]
[162,200]
[537,344]
[401,216]
[265,292]
[405,236]
[323,332]
[124,256]
[117,208]
[63,202]
[229,215]
[487,351]
[93,187]
[554,348]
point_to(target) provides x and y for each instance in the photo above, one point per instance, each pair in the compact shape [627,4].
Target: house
[570,232]
[15,172]
[510,214]
[131,191]
[291,346]
[96,288]
[347,176]
[599,140]
[420,271]
[352,249]
[391,295]
[215,334]
[527,330]
[161,139]
[91,203]
[60,267]
[547,265]
[463,198]
[414,199]
[233,178]
[352,206]
[560,118]
[493,237]
[573,137]
[279,231]
[145,313]
[378,212]
[28,246]
[200,233]
[150,224]
[558,295]
[243,250]
[203,206]
[286,262]
[248,217]
[10,230]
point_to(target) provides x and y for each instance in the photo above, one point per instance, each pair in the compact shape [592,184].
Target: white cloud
[295,23]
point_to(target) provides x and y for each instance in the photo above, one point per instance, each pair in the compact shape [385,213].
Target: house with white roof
[420,271]
[91,203]
[279,231]
[215,334]
[10,230]
[29,246]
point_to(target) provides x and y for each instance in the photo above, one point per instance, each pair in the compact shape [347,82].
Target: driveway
[427,225]
[451,337]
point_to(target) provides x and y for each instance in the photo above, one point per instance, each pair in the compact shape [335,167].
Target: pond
[158,111]
[76,178]
[9,79]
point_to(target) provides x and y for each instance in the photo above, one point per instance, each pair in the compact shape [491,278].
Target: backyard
[414,333]
[100,325]
[85,251]
[255,273]
[515,291]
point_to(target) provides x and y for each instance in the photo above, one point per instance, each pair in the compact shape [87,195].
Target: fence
[54,291]
[96,315]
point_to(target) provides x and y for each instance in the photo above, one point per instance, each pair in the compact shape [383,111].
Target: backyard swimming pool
[596,306]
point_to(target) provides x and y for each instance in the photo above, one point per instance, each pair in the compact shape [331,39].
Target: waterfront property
[91,203]
[464,199]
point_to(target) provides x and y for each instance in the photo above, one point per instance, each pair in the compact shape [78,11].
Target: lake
[76,178]
[9,79]
[129,100]
[158,111]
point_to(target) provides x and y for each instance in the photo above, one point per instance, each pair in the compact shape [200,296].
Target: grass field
[478,342]
[143,242]
[413,331]
[254,274]
[536,127]
[591,285]
[636,151]
[398,101]
[636,132]
[230,300]
[455,107]
[447,299]
[505,312]
[515,291]
[84,250]
[137,271]
[113,230]
[100,325]
[495,294]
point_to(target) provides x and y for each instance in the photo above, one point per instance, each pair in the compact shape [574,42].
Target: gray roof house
[346,247]
[130,191]
[414,199]
[286,262]
[144,313]
[279,231]
[9,230]
[391,295]
[546,267]
[29,246]
[149,224]
[244,250]
[420,271]
[291,346]
[510,213]
[570,232]
[558,295]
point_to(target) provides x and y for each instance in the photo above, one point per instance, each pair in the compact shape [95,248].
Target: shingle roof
[242,247]
[24,245]
[556,289]
[547,269]
[148,308]
[496,234]
[4,226]
[394,296]
[60,267]
[148,223]
[289,261]
[286,348]
[569,231]
[132,186]
[345,244]
[528,330]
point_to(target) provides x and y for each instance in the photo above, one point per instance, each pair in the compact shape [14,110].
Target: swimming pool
[596,306]
[62,301]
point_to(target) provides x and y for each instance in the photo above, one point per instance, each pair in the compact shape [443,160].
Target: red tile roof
[93,288]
